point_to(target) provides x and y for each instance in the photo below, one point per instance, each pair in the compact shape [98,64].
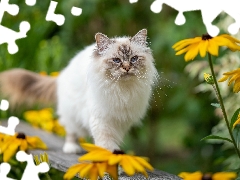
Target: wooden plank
[62,161]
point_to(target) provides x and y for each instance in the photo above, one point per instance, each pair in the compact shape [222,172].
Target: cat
[103,92]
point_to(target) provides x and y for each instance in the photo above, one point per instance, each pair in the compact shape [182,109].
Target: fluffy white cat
[103,92]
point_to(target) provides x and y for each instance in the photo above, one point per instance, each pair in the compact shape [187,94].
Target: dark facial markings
[125,52]
[125,61]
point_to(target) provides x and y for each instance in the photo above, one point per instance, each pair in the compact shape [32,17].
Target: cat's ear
[140,37]
[102,41]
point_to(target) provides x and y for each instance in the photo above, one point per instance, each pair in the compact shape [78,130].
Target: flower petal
[192,53]
[112,170]
[232,72]
[234,40]
[85,170]
[35,142]
[144,163]
[212,47]
[136,164]
[224,175]
[102,168]
[224,78]
[191,176]
[182,51]
[96,156]
[127,167]
[8,153]
[23,146]
[203,48]
[114,159]
[91,147]
[72,171]
[186,42]
[93,174]
[236,87]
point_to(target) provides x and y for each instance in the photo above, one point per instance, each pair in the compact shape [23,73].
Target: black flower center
[21,136]
[118,152]
[206,37]
[207,177]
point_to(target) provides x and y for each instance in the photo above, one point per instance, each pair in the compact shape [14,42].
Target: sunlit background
[180,114]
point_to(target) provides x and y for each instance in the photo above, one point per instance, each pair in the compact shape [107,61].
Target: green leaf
[216,137]
[217,105]
[236,133]
[234,117]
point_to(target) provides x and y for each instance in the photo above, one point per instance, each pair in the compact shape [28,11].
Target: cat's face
[125,57]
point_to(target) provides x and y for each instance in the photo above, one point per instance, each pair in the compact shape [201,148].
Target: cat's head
[123,57]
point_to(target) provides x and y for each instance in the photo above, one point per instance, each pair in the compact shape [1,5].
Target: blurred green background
[178,116]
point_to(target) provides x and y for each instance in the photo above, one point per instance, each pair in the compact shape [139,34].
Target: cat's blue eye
[116,60]
[134,58]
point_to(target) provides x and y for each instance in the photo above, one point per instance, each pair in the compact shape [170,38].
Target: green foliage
[234,118]
[216,137]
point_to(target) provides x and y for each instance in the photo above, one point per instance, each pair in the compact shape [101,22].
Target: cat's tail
[25,87]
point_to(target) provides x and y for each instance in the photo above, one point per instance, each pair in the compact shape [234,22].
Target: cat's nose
[126,68]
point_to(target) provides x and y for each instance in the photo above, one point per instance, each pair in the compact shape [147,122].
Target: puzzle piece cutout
[31,171]
[133,1]
[76,11]
[209,9]
[51,16]
[7,35]
[4,170]
[30,2]
[12,123]
[4,105]
[12,9]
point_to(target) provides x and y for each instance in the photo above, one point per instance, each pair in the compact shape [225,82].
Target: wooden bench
[61,161]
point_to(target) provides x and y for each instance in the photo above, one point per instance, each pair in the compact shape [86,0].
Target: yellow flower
[91,170]
[216,176]
[224,176]
[11,144]
[58,129]
[45,120]
[191,176]
[130,164]
[41,158]
[205,44]
[208,78]
[53,74]
[234,78]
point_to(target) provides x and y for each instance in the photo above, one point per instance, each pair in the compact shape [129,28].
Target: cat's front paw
[70,147]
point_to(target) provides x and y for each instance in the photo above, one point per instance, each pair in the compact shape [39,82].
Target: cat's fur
[103,91]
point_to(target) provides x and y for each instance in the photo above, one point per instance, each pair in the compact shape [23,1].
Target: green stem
[222,105]
[48,177]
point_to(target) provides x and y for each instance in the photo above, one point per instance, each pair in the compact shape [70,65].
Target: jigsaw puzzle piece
[4,105]
[12,9]
[30,2]
[9,36]
[51,16]
[12,123]
[4,170]
[31,171]
[76,11]
[180,19]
